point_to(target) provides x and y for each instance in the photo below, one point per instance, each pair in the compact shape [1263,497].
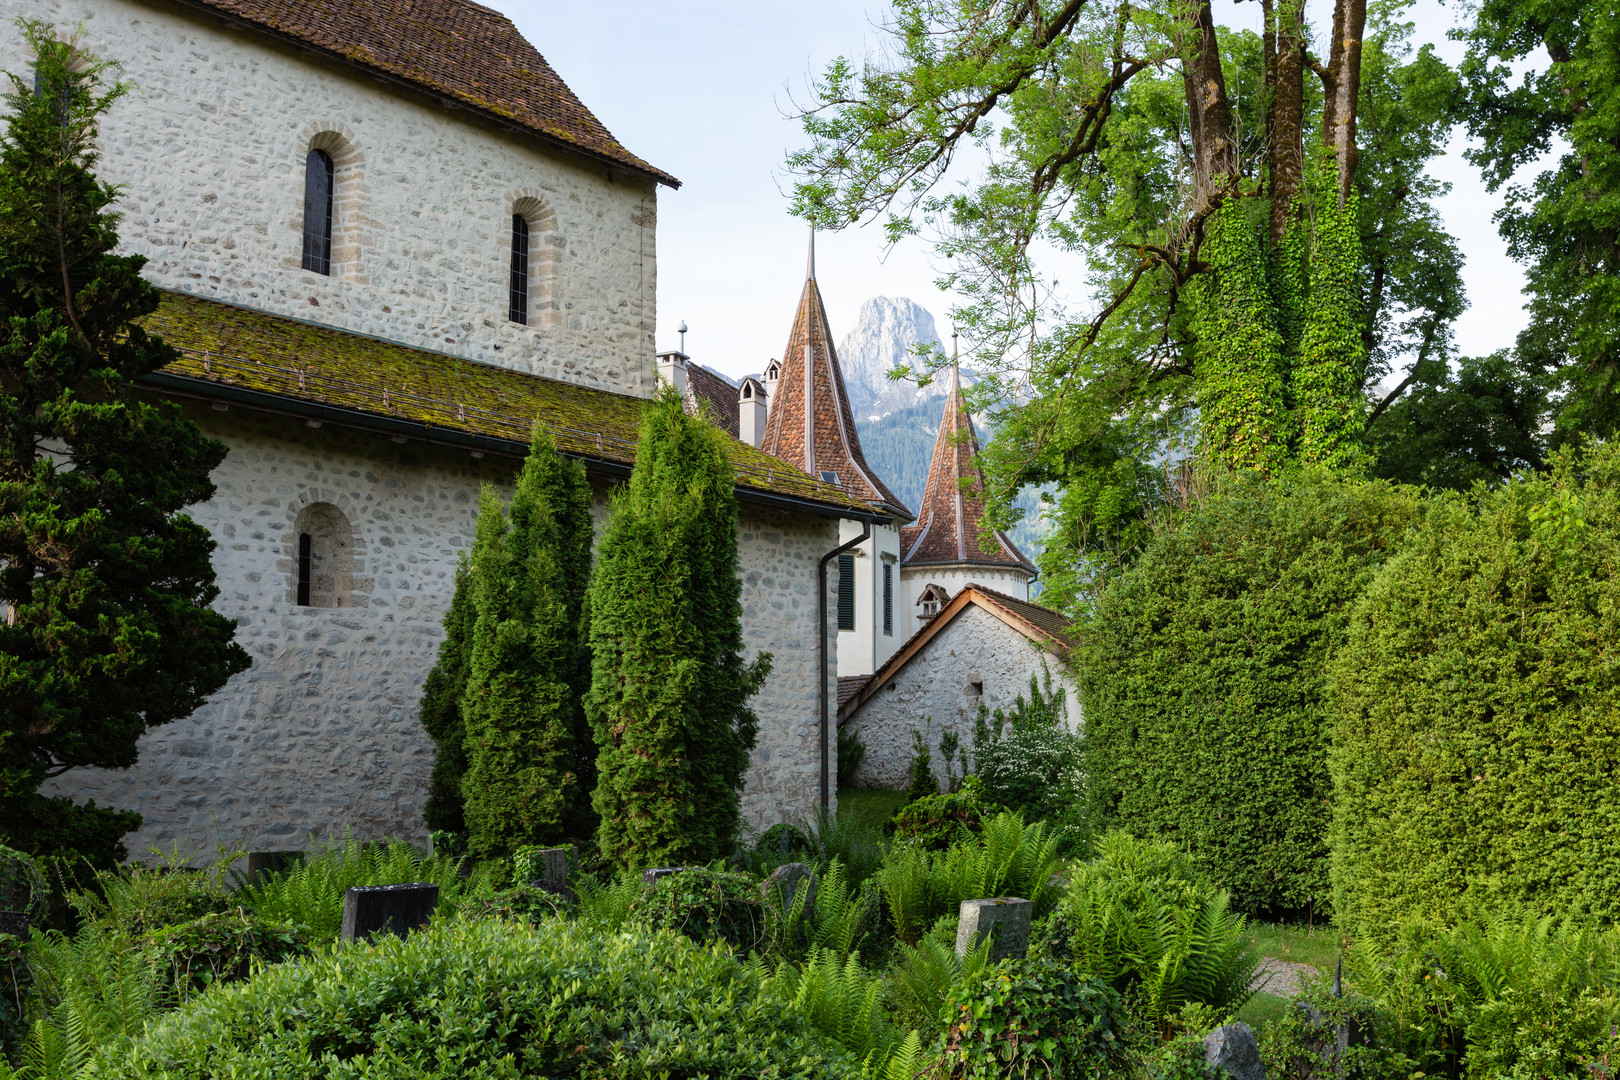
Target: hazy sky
[699,89]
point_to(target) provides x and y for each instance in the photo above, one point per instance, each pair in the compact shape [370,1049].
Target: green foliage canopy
[106,584]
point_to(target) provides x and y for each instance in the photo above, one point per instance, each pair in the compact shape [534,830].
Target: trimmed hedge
[1477,741]
[1204,678]
[489,999]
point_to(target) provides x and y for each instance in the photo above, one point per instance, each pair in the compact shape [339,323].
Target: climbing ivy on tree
[104,583]
[669,687]
[1327,374]
[527,663]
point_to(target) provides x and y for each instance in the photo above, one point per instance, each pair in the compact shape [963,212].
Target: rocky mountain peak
[882,338]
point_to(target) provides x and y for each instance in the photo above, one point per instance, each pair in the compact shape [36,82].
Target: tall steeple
[947,527]
[811,424]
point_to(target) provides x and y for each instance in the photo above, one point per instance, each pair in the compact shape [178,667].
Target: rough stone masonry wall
[321,733]
[210,148]
[975,647]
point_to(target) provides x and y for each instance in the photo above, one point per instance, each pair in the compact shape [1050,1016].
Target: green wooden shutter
[846,592]
[888,599]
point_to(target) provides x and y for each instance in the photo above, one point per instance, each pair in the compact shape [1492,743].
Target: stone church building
[391,239]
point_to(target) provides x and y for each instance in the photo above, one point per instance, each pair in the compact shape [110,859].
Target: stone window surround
[349,589]
[351,202]
[546,247]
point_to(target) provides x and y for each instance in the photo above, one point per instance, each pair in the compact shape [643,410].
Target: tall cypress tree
[442,692]
[669,688]
[527,779]
[104,583]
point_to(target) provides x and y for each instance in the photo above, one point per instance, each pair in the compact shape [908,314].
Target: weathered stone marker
[391,909]
[546,868]
[651,876]
[1006,918]
[1233,1049]
[784,885]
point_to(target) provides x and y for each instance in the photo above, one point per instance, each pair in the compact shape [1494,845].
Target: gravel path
[1281,977]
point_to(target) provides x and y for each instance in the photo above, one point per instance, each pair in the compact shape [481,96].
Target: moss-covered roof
[252,350]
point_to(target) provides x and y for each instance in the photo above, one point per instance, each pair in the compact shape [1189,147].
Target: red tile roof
[454,48]
[810,423]
[714,393]
[949,521]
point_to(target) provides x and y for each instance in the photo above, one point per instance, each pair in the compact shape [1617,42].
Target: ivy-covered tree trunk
[527,663]
[669,688]
[104,584]
[440,711]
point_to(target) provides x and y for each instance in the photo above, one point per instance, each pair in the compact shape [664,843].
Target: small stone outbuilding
[983,647]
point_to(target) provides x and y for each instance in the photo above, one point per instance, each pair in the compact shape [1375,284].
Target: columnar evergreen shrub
[528,775]
[105,583]
[442,692]
[1204,678]
[1477,727]
[669,691]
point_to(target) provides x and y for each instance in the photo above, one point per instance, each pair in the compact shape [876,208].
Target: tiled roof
[811,425]
[848,686]
[1047,628]
[251,350]
[948,523]
[461,50]
[718,396]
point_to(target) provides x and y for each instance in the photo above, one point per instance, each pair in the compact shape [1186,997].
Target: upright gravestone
[545,868]
[784,884]
[1005,919]
[652,875]
[390,909]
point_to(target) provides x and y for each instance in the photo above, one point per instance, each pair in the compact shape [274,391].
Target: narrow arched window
[518,289]
[306,559]
[318,212]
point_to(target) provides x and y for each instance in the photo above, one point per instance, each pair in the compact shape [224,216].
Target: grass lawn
[1263,1009]
[1297,944]
[871,806]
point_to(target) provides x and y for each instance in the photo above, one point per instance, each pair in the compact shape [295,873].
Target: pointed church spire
[810,422]
[947,527]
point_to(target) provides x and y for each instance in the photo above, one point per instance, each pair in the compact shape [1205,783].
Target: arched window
[325,564]
[518,289]
[318,212]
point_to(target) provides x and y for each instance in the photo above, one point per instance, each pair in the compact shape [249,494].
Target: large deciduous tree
[669,687]
[1252,221]
[104,583]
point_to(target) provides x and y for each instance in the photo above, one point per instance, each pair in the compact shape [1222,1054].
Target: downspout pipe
[821,609]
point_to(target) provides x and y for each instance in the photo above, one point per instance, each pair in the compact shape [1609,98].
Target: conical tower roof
[948,522]
[810,423]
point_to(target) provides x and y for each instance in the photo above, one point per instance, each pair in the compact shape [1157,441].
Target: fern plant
[923,975]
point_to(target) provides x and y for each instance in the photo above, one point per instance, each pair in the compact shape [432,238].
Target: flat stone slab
[387,909]
[1004,918]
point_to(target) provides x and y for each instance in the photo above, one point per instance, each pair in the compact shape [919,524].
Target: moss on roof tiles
[239,347]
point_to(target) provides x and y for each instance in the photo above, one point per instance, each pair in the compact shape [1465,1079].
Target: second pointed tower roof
[810,423]
[949,520]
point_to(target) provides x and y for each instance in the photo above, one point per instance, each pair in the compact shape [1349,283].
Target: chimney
[672,369]
[752,402]
[773,372]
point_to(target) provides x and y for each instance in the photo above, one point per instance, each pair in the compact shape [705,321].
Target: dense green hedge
[1477,741]
[1204,679]
[490,999]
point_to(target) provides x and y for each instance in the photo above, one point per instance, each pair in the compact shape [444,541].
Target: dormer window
[773,372]
[830,477]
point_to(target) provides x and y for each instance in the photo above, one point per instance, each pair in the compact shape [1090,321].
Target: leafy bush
[924,974]
[1025,1017]
[312,894]
[486,999]
[223,948]
[1139,918]
[1477,742]
[706,905]
[936,821]
[1008,858]
[1204,678]
[851,751]
[525,903]
[1028,758]
[1302,1044]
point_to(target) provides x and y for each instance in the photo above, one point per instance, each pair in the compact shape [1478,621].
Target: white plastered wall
[863,650]
[210,144]
[953,579]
